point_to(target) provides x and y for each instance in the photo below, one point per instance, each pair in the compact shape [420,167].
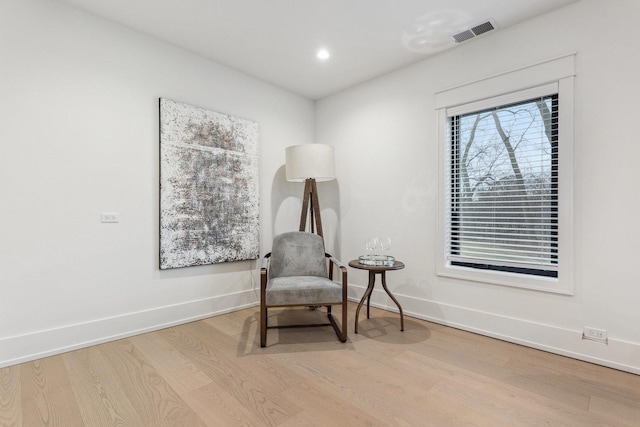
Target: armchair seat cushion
[303,290]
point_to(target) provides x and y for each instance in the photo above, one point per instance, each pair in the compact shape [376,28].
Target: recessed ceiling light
[323,54]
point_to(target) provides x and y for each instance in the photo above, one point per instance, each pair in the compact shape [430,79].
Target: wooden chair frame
[341,331]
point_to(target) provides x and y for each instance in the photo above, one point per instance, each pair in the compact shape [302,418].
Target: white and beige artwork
[209,200]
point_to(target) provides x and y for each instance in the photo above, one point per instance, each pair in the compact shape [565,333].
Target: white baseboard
[48,342]
[617,354]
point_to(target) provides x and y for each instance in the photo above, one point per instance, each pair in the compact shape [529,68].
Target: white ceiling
[276,40]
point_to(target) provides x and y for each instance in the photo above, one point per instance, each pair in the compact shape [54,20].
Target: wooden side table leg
[372,280]
[384,285]
[367,297]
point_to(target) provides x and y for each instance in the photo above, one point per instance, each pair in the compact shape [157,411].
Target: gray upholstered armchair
[295,274]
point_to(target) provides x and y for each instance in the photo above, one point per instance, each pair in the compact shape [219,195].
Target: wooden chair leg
[341,331]
[263,325]
[344,321]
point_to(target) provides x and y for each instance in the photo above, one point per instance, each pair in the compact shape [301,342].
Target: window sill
[536,283]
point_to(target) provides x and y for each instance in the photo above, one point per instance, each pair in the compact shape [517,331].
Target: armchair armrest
[337,262]
[265,261]
[263,273]
[343,269]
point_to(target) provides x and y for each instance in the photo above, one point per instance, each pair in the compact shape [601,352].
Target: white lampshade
[310,161]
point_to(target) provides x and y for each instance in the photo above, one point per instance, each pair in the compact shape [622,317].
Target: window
[503,195]
[506,179]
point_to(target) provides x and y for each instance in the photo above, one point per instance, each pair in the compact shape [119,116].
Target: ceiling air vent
[475,31]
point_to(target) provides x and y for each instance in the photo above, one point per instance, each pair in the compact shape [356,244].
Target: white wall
[385,133]
[79,136]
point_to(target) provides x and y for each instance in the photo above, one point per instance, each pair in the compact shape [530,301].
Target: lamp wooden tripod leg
[310,204]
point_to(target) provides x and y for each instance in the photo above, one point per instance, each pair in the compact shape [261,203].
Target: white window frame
[557,73]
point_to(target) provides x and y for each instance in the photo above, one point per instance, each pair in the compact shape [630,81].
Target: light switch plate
[110,217]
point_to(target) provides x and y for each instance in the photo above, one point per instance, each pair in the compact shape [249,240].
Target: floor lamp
[310,163]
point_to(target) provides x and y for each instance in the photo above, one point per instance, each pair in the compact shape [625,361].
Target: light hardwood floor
[214,373]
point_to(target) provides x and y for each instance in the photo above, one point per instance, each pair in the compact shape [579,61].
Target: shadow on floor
[383,326]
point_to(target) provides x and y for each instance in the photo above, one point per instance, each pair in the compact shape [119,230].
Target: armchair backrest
[297,253]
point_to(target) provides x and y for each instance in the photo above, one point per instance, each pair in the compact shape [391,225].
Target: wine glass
[385,245]
[371,244]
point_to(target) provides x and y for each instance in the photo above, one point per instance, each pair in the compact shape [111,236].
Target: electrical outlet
[594,334]
[109,217]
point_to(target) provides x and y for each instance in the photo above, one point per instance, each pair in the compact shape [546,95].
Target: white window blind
[502,167]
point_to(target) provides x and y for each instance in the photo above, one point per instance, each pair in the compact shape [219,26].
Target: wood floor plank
[624,411]
[587,377]
[449,362]
[379,391]
[553,388]
[266,368]
[575,382]
[376,373]
[495,397]
[303,419]
[514,406]
[421,361]
[98,390]
[243,329]
[328,407]
[177,370]
[216,407]
[332,383]
[195,341]
[47,397]
[10,397]
[409,405]
[149,393]
[222,350]
[485,350]
[235,323]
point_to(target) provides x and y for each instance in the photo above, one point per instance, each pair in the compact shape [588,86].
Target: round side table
[373,270]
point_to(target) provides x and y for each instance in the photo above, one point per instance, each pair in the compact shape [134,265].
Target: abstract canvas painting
[209,202]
